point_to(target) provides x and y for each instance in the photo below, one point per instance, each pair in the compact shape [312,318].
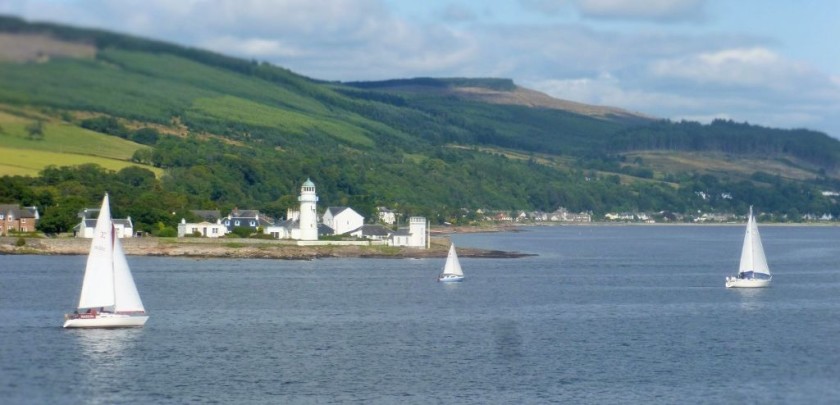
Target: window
[253,223]
[237,223]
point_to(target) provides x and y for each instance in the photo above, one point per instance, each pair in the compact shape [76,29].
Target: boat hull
[106,321]
[733,282]
[451,279]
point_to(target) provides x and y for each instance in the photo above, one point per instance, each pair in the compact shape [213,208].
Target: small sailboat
[109,298]
[452,269]
[753,271]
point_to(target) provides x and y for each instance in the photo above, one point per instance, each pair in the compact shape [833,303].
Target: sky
[766,62]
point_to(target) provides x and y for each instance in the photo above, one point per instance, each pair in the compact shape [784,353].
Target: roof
[336,210]
[308,183]
[91,223]
[208,215]
[237,213]
[374,230]
[17,212]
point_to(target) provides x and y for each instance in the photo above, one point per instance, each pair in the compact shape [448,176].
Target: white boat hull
[107,321]
[450,279]
[734,282]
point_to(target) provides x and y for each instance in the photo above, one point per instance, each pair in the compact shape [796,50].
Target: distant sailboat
[452,269]
[109,298]
[753,271]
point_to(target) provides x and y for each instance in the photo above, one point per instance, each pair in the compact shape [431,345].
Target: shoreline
[244,249]
[238,248]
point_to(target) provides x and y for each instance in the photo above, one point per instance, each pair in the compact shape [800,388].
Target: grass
[252,113]
[29,162]
[718,163]
[63,145]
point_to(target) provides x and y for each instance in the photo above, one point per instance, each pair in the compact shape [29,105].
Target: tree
[61,217]
[35,130]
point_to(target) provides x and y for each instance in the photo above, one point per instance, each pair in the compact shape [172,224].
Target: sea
[599,314]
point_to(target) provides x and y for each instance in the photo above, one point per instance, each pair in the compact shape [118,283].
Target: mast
[113,269]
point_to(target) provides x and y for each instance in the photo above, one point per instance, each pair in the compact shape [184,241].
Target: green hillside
[219,132]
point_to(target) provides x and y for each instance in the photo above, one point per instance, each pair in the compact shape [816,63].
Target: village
[345,226]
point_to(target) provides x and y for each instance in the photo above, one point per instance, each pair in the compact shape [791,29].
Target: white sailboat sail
[452,266]
[126,297]
[98,284]
[752,253]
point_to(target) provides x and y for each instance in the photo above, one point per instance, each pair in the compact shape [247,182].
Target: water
[604,314]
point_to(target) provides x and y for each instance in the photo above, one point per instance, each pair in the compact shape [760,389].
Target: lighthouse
[308,214]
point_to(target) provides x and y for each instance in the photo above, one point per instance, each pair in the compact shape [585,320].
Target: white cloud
[761,71]
[645,10]
[656,10]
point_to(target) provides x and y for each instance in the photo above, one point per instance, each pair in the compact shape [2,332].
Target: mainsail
[452,266]
[752,253]
[98,284]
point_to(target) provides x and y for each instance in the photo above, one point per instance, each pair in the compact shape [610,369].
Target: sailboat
[452,269]
[109,298]
[753,271]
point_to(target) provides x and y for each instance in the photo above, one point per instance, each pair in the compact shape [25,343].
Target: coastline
[243,248]
[238,248]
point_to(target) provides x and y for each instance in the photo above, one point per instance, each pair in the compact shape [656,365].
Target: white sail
[752,253]
[127,299]
[98,284]
[452,266]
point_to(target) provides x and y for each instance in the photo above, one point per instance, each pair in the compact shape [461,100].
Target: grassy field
[252,113]
[28,162]
[62,145]
[718,164]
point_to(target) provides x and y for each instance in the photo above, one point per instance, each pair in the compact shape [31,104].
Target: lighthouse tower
[308,214]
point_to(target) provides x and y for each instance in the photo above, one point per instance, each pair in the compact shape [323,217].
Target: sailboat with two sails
[109,297]
[452,269]
[753,271]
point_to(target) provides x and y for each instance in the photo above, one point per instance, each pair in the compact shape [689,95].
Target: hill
[220,132]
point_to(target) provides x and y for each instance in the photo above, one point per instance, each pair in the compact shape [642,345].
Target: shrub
[20,242]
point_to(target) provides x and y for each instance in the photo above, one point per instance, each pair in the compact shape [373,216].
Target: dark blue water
[602,315]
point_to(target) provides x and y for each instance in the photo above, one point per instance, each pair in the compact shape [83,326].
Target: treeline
[730,137]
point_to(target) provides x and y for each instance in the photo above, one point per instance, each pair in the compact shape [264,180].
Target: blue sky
[768,62]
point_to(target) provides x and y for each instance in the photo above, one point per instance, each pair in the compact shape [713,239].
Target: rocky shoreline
[242,248]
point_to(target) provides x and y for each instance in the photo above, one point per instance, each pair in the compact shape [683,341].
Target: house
[386,215]
[13,218]
[204,228]
[342,219]
[372,232]
[246,219]
[124,228]
[416,235]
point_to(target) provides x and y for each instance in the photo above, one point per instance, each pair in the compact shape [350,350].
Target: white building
[415,236]
[204,228]
[301,224]
[342,220]
[387,216]
[122,227]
